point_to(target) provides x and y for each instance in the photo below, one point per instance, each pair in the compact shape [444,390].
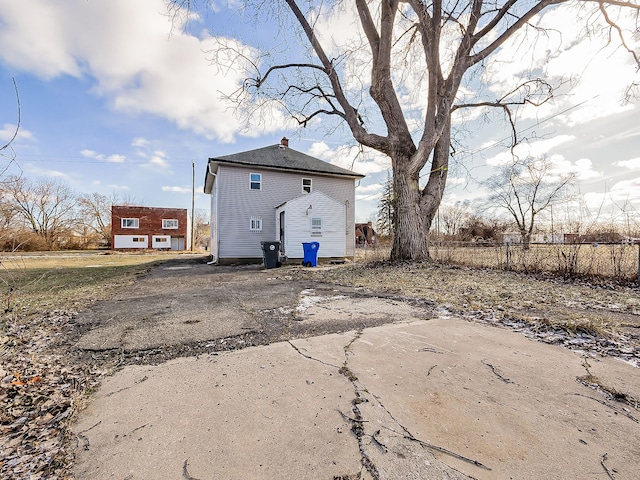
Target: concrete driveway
[187,302]
[395,392]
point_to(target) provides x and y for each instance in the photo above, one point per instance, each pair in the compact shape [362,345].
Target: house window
[139,239]
[256,181]
[316,227]
[306,185]
[169,223]
[255,224]
[130,222]
[161,240]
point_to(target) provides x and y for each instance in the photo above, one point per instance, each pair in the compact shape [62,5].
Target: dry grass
[546,301]
[32,284]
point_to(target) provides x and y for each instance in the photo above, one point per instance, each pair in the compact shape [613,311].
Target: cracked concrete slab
[442,398]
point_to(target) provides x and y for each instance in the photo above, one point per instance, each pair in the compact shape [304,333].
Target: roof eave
[236,163]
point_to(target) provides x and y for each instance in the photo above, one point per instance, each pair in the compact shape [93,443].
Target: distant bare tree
[453,217]
[95,213]
[201,230]
[45,206]
[525,188]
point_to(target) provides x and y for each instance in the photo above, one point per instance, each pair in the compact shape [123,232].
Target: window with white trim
[130,222]
[306,185]
[169,223]
[316,227]
[255,224]
[255,181]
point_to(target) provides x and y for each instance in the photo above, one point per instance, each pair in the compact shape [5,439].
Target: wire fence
[615,261]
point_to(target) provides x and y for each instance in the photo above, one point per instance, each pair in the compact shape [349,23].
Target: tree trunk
[411,228]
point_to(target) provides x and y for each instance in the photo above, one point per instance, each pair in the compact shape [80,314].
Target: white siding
[297,229]
[237,203]
[127,241]
[161,241]
[213,222]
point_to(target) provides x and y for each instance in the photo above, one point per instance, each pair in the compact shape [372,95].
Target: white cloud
[176,189]
[139,61]
[360,160]
[140,142]
[582,168]
[49,173]
[119,187]
[8,131]
[158,162]
[626,192]
[371,192]
[113,158]
[453,181]
[537,148]
[631,164]
[367,189]
[91,154]
[561,50]
[116,158]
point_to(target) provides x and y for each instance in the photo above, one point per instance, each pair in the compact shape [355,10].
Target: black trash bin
[271,254]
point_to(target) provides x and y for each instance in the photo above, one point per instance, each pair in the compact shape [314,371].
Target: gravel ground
[43,382]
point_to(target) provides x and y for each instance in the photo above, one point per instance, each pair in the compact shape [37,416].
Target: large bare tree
[442,41]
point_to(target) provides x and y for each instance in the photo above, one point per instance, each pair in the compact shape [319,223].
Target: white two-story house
[279,194]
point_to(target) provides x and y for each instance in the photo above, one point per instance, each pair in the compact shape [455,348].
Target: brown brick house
[149,227]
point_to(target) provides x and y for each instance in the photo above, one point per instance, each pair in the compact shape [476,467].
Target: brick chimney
[284,142]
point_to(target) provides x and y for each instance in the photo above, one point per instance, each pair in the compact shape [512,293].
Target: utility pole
[193,203]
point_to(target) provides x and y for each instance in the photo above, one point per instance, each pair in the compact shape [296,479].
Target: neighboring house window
[306,185]
[316,227]
[256,181]
[169,223]
[130,222]
[161,240]
[255,224]
[139,239]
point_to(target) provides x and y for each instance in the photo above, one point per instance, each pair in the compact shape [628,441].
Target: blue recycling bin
[310,253]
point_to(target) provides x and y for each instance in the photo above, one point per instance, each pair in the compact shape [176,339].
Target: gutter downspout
[213,234]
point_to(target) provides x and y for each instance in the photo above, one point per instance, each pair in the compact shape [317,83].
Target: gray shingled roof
[283,158]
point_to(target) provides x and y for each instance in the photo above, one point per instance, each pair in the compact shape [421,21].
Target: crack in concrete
[496,372]
[309,357]
[595,383]
[358,421]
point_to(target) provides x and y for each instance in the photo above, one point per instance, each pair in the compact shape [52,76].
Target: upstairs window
[255,224]
[316,227]
[170,223]
[306,185]
[130,222]
[255,181]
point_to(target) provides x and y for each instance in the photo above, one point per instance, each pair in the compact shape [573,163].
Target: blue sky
[115,98]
